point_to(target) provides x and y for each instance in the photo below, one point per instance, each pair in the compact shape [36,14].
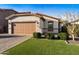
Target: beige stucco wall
[43,25]
[55,24]
[50,18]
[25,19]
[9,27]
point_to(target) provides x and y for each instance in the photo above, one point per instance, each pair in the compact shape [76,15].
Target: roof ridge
[48,16]
[28,14]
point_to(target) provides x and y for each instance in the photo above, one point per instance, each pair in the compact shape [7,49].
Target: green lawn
[43,47]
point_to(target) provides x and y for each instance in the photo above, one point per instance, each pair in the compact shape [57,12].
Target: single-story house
[28,23]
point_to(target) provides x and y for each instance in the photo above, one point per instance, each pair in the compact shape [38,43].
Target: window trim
[52,25]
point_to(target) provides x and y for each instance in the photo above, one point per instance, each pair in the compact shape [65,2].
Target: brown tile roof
[48,16]
[20,14]
[30,14]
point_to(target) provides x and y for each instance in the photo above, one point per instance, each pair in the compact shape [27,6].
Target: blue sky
[49,9]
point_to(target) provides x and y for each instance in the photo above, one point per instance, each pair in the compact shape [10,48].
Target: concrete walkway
[7,41]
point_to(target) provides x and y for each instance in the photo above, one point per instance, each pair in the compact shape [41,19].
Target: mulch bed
[70,41]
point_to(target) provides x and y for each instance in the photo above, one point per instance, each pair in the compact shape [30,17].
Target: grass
[43,47]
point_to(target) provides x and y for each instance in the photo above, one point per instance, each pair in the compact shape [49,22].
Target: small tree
[72,27]
[72,30]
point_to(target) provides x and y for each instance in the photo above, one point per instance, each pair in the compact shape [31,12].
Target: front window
[50,26]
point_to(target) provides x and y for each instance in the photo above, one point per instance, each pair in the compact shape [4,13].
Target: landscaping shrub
[56,36]
[49,35]
[62,36]
[37,35]
[64,29]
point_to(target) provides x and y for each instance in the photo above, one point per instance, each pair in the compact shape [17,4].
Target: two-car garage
[22,24]
[23,28]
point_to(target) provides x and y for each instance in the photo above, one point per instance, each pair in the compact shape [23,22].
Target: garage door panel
[24,28]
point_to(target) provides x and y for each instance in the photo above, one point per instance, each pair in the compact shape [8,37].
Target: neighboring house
[28,23]
[3,22]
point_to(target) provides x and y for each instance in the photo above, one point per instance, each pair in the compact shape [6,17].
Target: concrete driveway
[9,41]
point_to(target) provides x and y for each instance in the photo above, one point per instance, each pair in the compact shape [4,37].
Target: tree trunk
[73,38]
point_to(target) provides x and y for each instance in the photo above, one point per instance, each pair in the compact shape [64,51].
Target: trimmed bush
[55,36]
[63,36]
[49,35]
[37,35]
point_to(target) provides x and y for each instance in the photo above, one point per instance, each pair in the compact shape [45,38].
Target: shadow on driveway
[9,36]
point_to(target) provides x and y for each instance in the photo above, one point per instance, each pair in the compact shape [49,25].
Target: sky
[49,9]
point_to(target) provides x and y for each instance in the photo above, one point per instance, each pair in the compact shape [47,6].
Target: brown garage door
[24,28]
